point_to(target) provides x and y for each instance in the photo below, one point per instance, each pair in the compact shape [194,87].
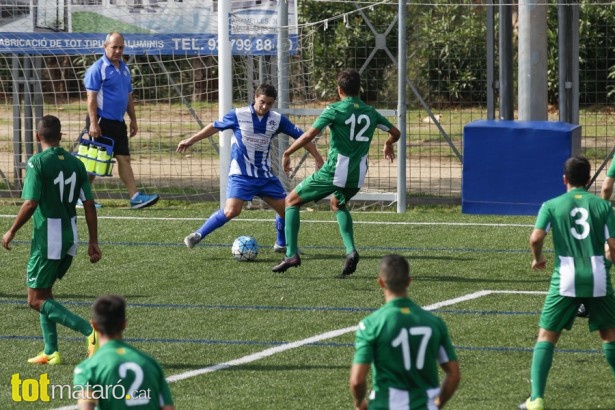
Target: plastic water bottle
[103,161]
[83,153]
[90,166]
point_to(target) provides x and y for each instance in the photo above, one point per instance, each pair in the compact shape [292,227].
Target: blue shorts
[246,188]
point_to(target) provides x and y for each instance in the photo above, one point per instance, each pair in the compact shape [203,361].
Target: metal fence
[177,95]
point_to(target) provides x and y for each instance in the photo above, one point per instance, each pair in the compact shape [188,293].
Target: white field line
[317,338]
[132,218]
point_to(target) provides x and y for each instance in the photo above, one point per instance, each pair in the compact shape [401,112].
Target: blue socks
[215,221]
[280,238]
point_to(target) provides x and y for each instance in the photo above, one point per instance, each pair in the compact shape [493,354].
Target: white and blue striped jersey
[251,141]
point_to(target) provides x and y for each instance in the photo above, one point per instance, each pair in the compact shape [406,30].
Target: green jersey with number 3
[352,124]
[581,223]
[405,345]
[55,179]
[127,378]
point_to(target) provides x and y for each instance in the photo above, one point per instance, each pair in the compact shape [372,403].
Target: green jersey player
[581,223]
[54,181]
[352,124]
[119,376]
[405,345]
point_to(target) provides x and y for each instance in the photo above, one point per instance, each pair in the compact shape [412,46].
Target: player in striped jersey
[581,223]
[250,171]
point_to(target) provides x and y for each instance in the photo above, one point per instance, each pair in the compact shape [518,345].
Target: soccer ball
[245,248]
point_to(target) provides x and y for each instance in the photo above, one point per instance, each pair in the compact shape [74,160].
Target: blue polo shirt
[112,85]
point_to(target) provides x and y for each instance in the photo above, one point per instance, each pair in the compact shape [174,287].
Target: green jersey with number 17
[352,124]
[405,345]
[581,223]
[55,179]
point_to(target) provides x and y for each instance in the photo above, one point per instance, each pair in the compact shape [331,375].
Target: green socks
[50,334]
[541,364]
[344,220]
[57,313]
[291,217]
[609,352]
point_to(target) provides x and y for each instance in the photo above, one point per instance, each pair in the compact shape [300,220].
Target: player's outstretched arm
[311,148]
[607,188]
[299,143]
[389,152]
[206,132]
[91,220]
[358,384]
[537,239]
[25,213]
[450,382]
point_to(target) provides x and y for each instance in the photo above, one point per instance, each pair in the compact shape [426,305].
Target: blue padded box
[512,167]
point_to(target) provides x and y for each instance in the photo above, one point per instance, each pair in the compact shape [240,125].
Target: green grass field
[195,310]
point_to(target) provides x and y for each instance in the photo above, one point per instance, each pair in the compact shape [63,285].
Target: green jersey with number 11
[352,124]
[55,179]
[581,223]
[405,345]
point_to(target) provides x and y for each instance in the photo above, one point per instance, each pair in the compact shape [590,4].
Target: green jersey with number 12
[55,179]
[581,223]
[352,124]
[405,345]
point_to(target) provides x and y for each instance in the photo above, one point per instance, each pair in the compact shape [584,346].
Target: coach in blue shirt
[109,90]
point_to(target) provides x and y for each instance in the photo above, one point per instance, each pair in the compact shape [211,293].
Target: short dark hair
[349,81]
[267,90]
[395,272]
[577,171]
[109,314]
[49,128]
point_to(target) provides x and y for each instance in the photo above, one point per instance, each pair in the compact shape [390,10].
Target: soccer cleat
[92,343]
[279,248]
[529,404]
[80,204]
[286,263]
[582,312]
[49,359]
[143,201]
[192,239]
[350,264]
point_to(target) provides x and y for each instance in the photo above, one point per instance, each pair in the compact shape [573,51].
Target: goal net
[171,48]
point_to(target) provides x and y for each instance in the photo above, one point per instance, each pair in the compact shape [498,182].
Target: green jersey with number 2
[352,124]
[127,378]
[581,223]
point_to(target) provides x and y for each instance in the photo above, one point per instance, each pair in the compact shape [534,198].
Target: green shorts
[43,272]
[318,186]
[559,312]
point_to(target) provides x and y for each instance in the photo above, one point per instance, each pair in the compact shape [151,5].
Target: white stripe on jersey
[73,249]
[341,171]
[566,276]
[363,171]
[599,273]
[54,238]
[398,399]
